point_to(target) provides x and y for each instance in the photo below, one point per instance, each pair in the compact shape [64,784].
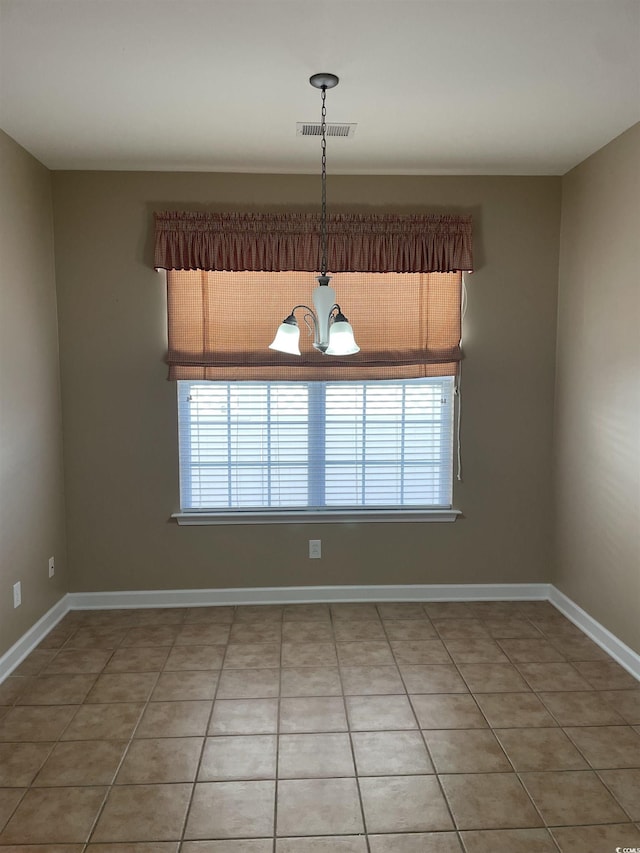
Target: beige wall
[120,412]
[31,486]
[598,390]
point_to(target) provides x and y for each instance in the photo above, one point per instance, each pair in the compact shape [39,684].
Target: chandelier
[332,333]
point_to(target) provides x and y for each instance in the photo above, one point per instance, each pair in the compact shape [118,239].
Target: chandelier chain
[332,334]
[323,220]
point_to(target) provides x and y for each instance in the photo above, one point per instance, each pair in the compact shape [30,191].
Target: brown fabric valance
[291,241]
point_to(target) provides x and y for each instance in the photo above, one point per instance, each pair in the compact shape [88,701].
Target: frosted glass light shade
[341,339]
[287,339]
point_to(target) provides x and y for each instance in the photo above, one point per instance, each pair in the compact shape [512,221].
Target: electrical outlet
[52,567]
[17,594]
[315,549]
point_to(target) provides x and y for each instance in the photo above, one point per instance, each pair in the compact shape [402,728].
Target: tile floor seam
[601,823]
[517,773]
[4,825]
[120,763]
[278,720]
[532,800]
[429,753]
[491,729]
[520,780]
[365,828]
[126,750]
[55,743]
[66,644]
[207,726]
[550,825]
[612,793]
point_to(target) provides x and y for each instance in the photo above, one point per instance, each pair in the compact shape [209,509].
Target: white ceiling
[436,86]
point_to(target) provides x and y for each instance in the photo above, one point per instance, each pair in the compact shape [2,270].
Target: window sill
[329,516]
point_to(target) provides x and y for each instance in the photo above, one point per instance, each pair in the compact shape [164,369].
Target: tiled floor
[493,727]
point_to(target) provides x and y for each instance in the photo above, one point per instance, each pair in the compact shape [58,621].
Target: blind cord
[456,392]
[458,386]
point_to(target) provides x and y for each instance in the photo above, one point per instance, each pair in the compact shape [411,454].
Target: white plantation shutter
[264,445]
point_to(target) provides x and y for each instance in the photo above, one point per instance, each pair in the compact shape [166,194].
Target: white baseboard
[124,599]
[308,595]
[14,656]
[607,641]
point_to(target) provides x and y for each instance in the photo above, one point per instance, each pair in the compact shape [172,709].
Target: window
[316,445]
[270,437]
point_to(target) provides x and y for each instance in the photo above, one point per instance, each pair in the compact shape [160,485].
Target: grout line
[611,792]
[27,788]
[365,828]
[205,736]
[72,718]
[54,743]
[126,750]
[424,741]
[277,769]
[492,730]
[145,704]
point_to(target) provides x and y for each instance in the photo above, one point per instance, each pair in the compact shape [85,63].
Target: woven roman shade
[232,278]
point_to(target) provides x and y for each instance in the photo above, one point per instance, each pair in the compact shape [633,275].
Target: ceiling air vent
[313,128]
